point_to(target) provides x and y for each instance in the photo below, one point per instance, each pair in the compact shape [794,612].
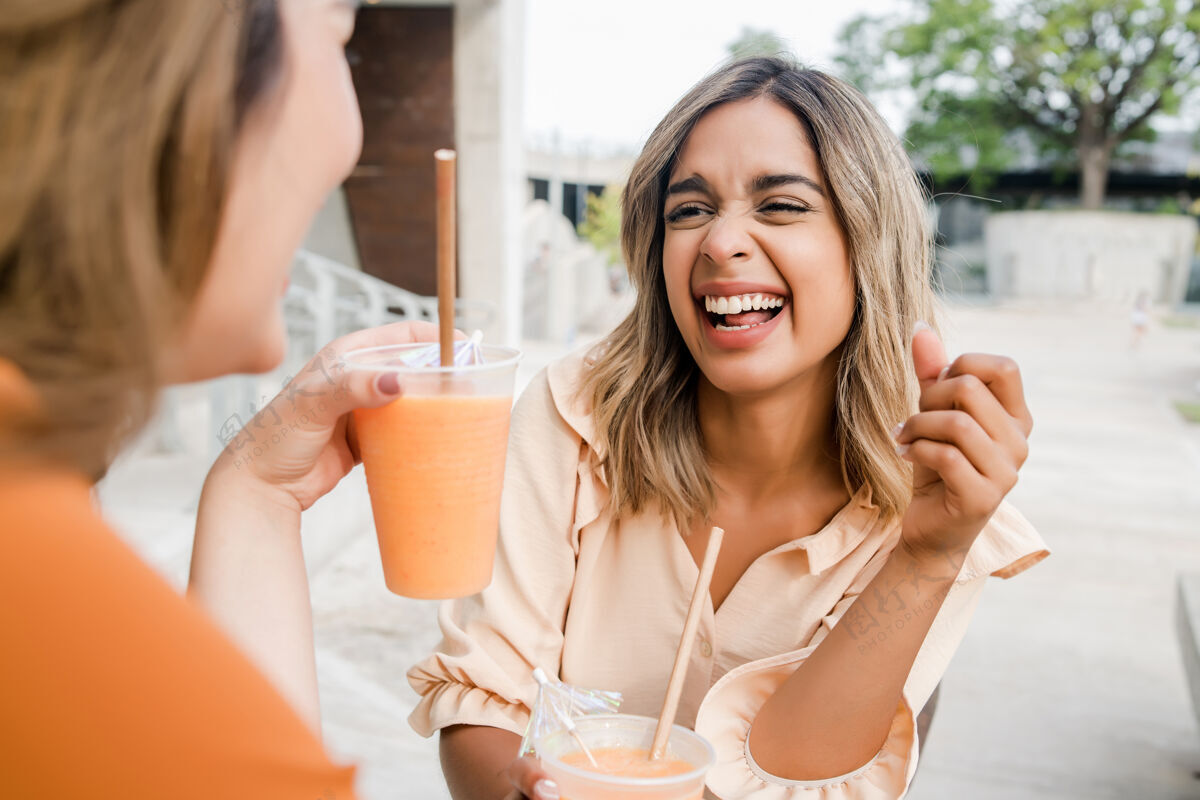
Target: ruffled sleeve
[1007,546]
[730,708]
[480,672]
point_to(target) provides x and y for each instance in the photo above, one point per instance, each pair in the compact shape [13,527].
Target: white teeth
[721,327]
[738,304]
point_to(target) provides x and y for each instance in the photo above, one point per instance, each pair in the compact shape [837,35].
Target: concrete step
[1187,618]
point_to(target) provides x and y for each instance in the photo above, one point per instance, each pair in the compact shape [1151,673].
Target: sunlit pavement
[1069,683]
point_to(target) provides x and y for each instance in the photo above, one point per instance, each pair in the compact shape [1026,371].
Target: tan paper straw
[445,161]
[675,685]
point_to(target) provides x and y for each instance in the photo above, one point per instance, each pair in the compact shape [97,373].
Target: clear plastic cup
[434,460]
[623,732]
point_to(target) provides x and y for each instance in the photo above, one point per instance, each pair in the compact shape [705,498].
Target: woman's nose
[727,241]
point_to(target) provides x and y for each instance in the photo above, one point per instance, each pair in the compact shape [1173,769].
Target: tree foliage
[1071,80]
[601,225]
[756,42]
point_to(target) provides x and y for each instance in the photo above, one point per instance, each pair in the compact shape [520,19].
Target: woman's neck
[760,444]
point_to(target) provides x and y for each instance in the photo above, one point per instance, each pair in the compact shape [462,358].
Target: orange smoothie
[628,762]
[619,742]
[434,467]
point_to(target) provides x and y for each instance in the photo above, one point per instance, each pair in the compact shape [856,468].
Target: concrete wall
[1089,255]
[488,36]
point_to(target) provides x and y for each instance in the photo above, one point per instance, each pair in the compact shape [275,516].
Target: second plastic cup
[434,460]
[621,743]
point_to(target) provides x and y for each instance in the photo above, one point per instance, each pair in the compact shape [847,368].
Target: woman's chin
[269,352]
[742,382]
[267,359]
[204,361]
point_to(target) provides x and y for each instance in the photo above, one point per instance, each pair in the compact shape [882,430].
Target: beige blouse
[600,601]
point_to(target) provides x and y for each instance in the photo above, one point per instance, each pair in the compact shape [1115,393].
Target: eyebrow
[764,182]
[693,184]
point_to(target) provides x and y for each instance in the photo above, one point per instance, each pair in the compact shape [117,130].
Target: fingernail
[388,383]
[896,430]
[920,325]
[945,371]
[545,789]
[901,449]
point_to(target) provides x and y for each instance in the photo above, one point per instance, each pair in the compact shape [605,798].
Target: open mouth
[741,312]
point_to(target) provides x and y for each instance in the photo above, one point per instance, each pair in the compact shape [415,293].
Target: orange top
[112,685]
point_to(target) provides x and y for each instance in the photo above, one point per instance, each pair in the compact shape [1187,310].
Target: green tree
[1074,79]
[601,225]
[755,42]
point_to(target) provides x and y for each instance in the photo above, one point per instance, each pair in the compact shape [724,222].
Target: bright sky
[604,72]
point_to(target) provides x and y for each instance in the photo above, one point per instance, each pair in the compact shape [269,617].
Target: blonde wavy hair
[119,126]
[641,381]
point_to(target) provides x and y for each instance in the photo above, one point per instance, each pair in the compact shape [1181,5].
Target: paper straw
[445,160]
[675,685]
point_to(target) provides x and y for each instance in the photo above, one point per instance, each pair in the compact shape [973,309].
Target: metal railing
[324,300]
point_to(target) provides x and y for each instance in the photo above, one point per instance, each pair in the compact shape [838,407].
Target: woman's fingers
[928,355]
[961,431]
[531,781]
[968,393]
[392,333]
[328,386]
[1001,376]
[970,493]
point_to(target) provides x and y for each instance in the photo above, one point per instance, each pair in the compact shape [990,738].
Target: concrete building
[572,291]
[565,176]
[1153,183]
[432,74]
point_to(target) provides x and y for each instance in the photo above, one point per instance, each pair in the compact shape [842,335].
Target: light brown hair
[119,120]
[641,381]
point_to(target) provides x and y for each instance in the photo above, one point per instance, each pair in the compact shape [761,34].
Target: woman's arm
[247,563]
[248,572]
[478,764]
[833,713]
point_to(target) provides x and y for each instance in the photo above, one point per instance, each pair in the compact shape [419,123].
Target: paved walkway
[1069,683]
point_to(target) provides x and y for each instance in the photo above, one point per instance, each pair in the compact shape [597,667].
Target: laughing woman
[775,379]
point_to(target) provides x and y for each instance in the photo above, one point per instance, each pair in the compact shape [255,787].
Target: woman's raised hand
[303,442]
[966,444]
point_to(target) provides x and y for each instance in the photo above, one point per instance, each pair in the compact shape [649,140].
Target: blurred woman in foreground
[159,164]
